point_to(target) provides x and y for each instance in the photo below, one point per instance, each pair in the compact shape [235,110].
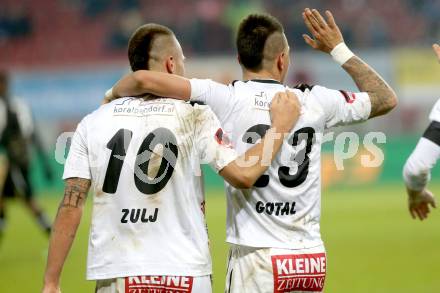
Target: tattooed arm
[326,37]
[64,230]
[383,99]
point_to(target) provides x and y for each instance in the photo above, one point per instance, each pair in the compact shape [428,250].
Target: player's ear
[281,64]
[169,63]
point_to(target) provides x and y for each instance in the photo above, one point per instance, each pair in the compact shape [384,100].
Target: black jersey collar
[273,81]
[266,81]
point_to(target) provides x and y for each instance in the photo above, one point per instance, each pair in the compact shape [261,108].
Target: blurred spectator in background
[14,23]
[204,26]
[93,8]
[301,76]
[17,134]
[126,23]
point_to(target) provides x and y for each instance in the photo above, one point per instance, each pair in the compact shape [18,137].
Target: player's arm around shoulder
[245,170]
[171,86]
[64,230]
[328,38]
[152,82]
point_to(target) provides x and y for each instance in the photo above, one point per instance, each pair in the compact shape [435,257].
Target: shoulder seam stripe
[432,133]
[303,87]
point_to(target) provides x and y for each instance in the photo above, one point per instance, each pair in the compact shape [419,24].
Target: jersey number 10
[119,143]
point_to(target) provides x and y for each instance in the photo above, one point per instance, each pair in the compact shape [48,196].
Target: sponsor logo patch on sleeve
[299,272]
[222,138]
[159,284]
[348,96]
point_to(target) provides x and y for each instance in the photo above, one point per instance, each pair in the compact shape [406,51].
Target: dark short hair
[140,43]
[252,34]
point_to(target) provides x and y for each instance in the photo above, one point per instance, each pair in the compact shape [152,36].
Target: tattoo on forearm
[75,192]
[382,96]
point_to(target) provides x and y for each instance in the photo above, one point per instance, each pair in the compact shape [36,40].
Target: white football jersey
[282,210]
[143,158]
[417,169]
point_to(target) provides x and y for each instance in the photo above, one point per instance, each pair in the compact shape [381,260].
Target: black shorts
[17,182]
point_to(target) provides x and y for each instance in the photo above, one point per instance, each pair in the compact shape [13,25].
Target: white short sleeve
[77,163]
[218,96]
[417,170]
[212,144]
[435,112]
[342,107]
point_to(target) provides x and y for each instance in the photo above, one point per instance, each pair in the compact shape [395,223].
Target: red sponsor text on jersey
[222,138]
[300,272]
[348,96]
[158,284]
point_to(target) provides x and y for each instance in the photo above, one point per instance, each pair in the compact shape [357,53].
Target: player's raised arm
[328,38]
[64,230]
[153,82]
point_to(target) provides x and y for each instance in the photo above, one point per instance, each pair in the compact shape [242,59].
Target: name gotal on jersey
[143,158]
[282,210]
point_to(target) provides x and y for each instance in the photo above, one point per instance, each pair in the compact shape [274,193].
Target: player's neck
[263,74]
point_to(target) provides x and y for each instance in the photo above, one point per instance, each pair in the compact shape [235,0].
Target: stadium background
[62,55]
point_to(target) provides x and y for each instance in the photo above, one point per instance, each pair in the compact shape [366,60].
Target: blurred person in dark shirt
[15,23]
[17,135]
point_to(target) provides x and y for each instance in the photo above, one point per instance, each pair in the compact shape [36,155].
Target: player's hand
[326,34]
[108,97]
[284,111]
[105,101]
[436,48]
[419,202]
